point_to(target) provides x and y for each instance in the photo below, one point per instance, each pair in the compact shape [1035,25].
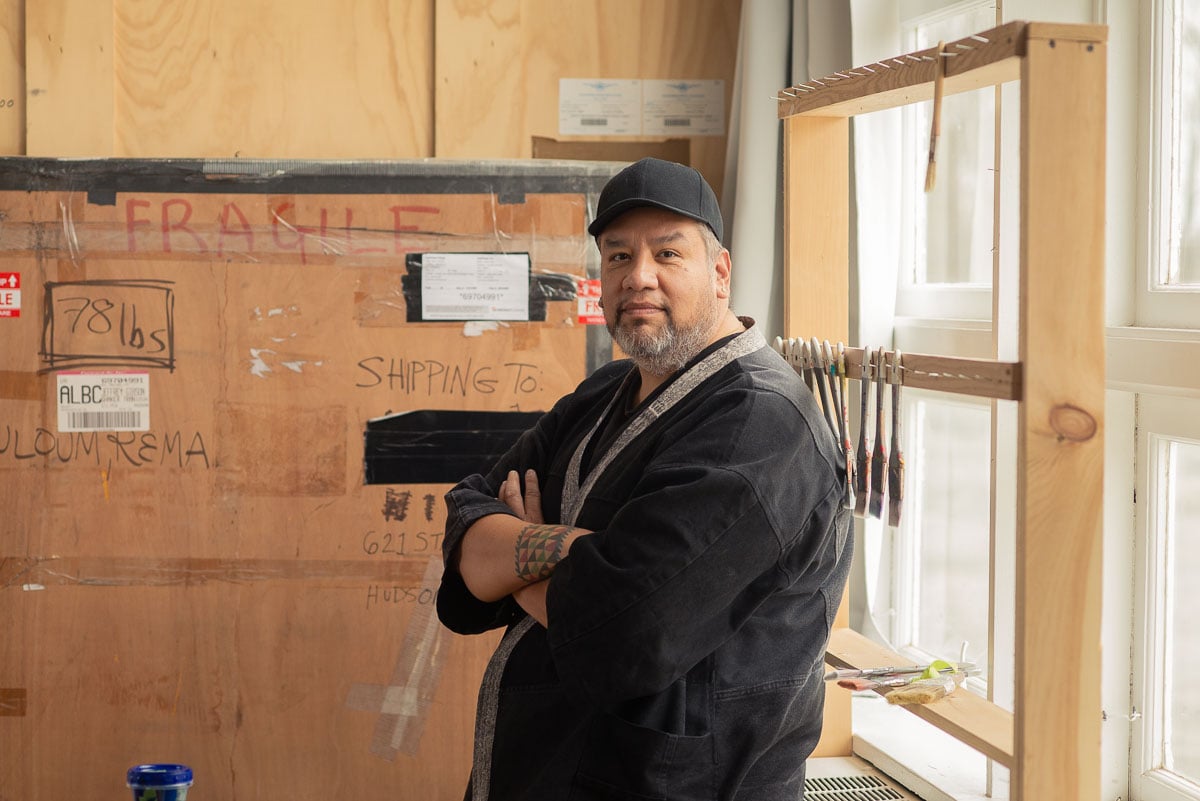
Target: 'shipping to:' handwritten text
[434,377]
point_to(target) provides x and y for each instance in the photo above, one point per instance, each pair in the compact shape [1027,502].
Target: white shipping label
[103,401]
[598,107]
[475,286]
[683,108]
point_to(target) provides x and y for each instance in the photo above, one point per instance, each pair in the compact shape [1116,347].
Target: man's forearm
[532,598]
[501,554]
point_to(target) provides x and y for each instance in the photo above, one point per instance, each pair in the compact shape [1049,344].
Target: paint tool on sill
[839,674]
[859,685]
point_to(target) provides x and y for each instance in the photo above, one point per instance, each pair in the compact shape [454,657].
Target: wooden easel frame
[1051,742]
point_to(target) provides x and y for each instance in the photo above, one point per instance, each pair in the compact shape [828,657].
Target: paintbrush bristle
[876,505]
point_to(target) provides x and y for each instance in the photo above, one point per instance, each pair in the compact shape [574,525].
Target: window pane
[952,529]
[954,221]
[1182,749]
[1188,193]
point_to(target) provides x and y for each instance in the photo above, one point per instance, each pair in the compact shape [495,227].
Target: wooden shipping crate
[222,588]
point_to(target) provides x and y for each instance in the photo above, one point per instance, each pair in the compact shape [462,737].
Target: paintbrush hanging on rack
[879,458]
[896,463]
[872,475]
[848,497]
[820,369]
[862,484]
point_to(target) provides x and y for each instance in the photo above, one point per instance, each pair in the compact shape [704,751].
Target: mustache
[625,304]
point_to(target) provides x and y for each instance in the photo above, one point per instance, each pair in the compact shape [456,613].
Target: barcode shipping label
[598,106]
[475,286]
[683,108]
[103,401]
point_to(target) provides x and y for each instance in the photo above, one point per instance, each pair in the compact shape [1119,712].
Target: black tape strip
[103,179]
[439,447]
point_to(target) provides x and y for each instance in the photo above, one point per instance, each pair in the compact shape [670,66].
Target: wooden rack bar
[981,378]
[985,59]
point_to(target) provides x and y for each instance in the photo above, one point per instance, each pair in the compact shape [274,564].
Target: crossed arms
[502,555]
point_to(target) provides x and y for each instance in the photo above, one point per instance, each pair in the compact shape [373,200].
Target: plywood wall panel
[69,77]
[498,64]
[269,78]
[379,79]
[12,77]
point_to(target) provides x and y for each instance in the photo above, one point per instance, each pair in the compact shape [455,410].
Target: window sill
[972,720]
[929,762]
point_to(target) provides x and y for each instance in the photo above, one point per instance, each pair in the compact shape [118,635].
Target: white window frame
[1158,303]
[1162,420]
[927,300]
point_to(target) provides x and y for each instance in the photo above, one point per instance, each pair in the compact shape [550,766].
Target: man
[669,572]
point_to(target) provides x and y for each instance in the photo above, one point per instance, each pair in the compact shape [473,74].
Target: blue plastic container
[159,782]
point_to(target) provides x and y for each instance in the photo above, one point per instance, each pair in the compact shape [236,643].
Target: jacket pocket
[625,762]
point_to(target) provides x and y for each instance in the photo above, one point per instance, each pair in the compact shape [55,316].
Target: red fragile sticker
[588,292]
[10,294]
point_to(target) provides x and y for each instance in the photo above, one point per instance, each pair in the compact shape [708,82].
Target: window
[1165,725]
[1151,737]
[935,590]
[946,256]
[1167,732]
[943,587]
[1181,721]
[952,229]
[1169,289]
[1184,265]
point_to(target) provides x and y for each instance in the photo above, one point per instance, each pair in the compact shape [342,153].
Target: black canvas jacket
[683,658]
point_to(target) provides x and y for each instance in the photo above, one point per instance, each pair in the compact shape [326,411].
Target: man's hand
[528,507]
[532,597]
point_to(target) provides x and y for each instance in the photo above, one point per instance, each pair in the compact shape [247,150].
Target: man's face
[663,299]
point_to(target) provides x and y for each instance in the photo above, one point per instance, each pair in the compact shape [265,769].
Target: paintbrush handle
[896,464]
[879,457]
[848,498]
[862,477]
[819,371]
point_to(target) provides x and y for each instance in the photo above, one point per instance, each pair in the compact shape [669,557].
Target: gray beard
[667,351]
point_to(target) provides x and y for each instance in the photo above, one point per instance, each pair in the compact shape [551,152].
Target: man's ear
[724,267]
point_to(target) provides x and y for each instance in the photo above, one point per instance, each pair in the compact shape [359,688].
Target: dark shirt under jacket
[684,654]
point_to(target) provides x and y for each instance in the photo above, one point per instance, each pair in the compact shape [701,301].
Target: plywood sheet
[69,77]
[274,78]
[498,64]
[12,77]
[222,589]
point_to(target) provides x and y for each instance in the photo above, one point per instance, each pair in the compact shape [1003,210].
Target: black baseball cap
[662,184]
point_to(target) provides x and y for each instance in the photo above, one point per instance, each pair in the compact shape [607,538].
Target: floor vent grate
[848,788]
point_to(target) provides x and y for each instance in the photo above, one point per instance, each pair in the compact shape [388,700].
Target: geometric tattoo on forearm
[538,550]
